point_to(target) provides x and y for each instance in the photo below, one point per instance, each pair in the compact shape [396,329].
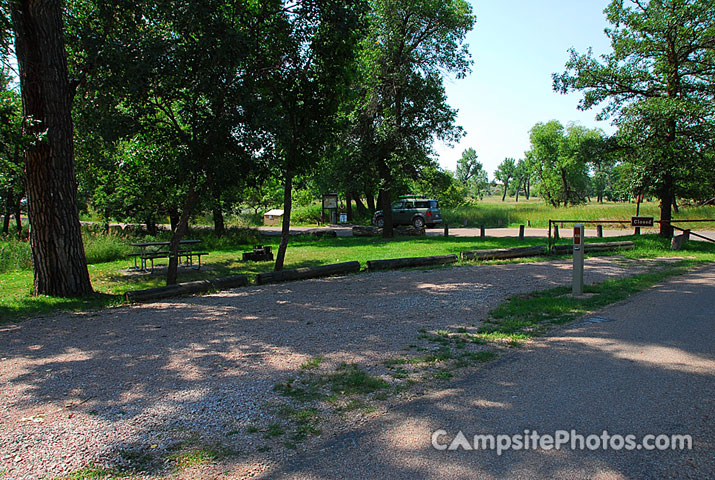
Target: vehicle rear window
[433,204]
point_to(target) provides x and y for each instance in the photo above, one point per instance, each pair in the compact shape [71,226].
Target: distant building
[273,217]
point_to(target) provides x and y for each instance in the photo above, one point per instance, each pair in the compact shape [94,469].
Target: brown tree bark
[174,218]
[285,227]
[59,262]
[359,206]
[8,212]
[181,227]
[219,224]
[666,213]
[370,198]
[385,198]
[349,206]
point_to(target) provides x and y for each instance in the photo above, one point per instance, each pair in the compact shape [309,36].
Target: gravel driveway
[128,384]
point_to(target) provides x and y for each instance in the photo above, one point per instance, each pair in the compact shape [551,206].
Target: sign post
[578,240]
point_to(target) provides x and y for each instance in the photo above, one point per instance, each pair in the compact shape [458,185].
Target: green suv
[412,210]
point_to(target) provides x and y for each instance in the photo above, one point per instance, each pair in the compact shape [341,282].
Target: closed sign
[641,221]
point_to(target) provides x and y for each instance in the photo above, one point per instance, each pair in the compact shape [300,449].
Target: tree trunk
[59,262]
[666,199]
[219,225]
[528,188]
[18,218]
[151,225]
[8,212]
[385,198]
[506,185]
[567,192]
[174,218]
[370,199]
[675,205]
[386,207]
[285,227]
[349,206]
[181,228]
[518,187]
[359,206]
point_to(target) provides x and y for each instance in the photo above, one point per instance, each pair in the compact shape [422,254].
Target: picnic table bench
[149,251]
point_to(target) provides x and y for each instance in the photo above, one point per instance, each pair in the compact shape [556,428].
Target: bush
[309,214]
[105,247]
[232,238]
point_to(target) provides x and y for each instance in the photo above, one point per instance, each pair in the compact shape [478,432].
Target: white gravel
[136,382]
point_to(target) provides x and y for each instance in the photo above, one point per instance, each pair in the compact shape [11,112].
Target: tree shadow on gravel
[136,386]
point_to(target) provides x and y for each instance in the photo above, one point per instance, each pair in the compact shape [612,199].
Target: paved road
[346,231]
[650,370]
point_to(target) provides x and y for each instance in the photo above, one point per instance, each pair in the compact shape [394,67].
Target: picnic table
[149,251]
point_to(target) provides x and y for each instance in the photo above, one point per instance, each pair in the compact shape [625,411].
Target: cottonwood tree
[303,72]
[657,86]
[504,173]
[409,48]
[558,158]
[59,263]
[522,176]
[471,174]
[175,75]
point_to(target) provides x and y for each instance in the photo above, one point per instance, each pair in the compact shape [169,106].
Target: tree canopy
[409,46]
[657,86]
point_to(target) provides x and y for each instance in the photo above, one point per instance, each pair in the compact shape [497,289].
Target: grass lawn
[111,279]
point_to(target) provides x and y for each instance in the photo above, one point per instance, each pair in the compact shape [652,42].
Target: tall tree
[59,263]
[558,160]
[504,173]
[304,72]
[522,176]
[657,85]
[172,77]
[471,174]
[411,44]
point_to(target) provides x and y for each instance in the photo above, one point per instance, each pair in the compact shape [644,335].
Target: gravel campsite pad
[134,384]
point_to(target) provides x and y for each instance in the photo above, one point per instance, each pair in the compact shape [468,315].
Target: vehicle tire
[379,222]
[418,222]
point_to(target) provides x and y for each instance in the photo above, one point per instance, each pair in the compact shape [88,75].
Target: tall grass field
[492,212]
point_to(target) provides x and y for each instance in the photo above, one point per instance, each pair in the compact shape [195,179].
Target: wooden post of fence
[556,233]
[482,232]
[521,232]
[446,229]
[599,231]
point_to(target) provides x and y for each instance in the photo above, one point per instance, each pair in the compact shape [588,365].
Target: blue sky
[516,45]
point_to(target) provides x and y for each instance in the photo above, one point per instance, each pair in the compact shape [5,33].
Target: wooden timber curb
[235,281]
[595,247]
[499,253]
[394,263]
[199,286]
[308,272]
